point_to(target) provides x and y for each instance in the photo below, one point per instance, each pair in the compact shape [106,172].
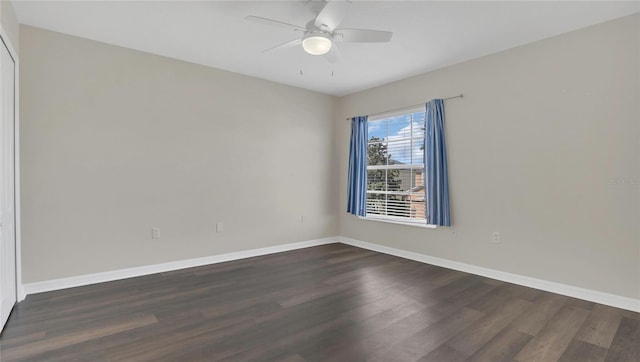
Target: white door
[7,186]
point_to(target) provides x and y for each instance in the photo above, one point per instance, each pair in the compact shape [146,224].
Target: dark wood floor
[332,302]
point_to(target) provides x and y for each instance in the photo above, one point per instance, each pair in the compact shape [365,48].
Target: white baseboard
[21,293]
[568,290]
[553,287]
[77,281]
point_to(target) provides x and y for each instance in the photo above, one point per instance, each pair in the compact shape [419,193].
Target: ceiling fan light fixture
[317,44]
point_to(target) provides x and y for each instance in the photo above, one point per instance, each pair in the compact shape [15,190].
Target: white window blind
[395,169]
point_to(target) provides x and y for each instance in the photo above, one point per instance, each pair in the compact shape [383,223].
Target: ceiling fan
[320,33]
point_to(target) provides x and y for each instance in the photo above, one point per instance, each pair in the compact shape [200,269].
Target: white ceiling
[427,35]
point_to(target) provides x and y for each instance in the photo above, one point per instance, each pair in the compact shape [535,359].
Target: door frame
[4,38]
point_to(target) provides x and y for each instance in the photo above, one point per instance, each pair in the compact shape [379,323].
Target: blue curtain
[435,162]
[357,187]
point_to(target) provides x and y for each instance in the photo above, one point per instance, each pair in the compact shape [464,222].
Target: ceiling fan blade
[362,36]
[334,55]
[259,19]
[332,14]
[288,44]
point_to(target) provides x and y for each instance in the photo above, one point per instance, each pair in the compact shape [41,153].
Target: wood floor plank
[367,324]
[540,314]
[168,333]
[443,276]
[428,339]
[320,336]
[429,295]
[292,358]
[330,287]
[388,266]
[480,332]
[39,347]
[626,343]
[554,338]
[444,353]
[504,294]
[503,347]
[600,327]
[583,352]
[388,328]
[7,341]
[580,303]
[292,323]
[463,298]
[374,343]
[341,259]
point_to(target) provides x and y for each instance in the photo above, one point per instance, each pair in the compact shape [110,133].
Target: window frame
[421,166]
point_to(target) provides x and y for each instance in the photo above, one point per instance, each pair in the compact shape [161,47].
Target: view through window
[395,168]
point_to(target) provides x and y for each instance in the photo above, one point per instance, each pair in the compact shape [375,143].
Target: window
[395,168]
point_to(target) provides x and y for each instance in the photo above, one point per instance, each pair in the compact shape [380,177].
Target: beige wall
[115,142]
[543,148]
[9,22]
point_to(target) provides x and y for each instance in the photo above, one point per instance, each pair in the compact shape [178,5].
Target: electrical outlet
[219,227]
[155,233]
[496,237]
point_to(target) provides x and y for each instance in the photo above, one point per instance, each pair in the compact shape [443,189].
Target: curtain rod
[415,105]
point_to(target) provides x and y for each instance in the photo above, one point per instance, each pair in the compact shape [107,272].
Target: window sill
[391,221]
